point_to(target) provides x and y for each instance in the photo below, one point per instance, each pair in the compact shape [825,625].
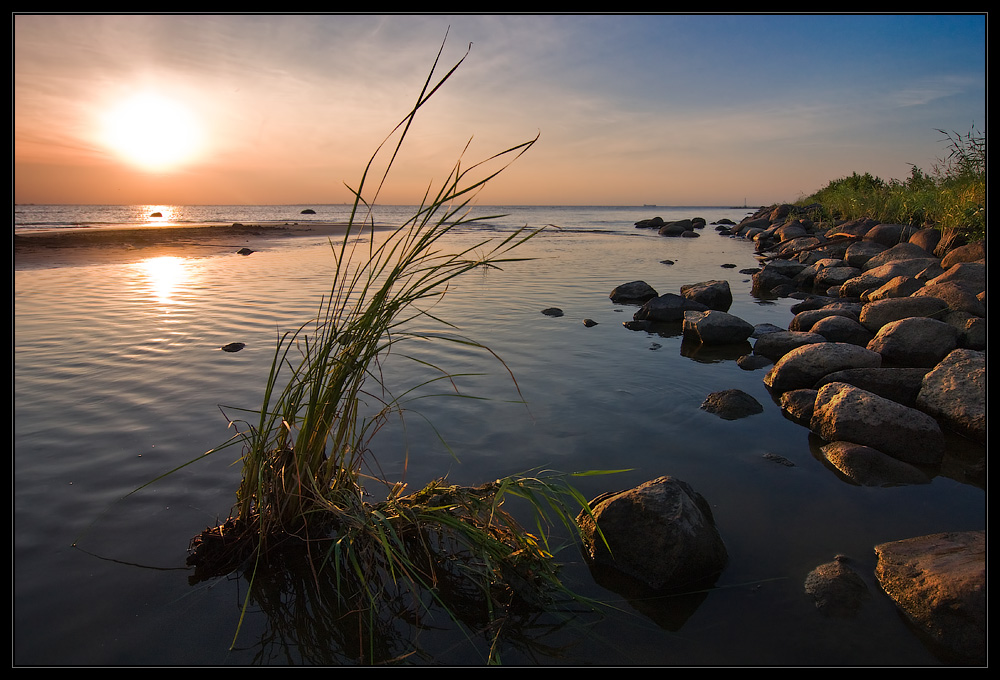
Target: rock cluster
[886,351]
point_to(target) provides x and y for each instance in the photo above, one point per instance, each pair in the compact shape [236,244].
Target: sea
[120,387]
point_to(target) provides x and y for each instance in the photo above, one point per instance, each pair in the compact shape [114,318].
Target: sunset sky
[665,109]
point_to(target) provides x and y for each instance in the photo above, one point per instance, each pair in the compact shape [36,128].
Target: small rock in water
[233,347]
[589,322]
[552,311]
[243,251]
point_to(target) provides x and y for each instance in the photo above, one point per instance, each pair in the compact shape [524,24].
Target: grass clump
[952,197]
[308,471]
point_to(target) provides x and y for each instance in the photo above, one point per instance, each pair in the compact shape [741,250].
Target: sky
[627,109]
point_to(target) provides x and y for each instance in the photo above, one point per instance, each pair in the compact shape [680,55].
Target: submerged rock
[552,311]
[233,347]
[731,404]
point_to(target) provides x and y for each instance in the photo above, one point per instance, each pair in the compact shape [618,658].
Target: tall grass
[951,197]
[307,464]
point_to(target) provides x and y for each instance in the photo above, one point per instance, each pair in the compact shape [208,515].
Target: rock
[842,329]
[860,252]
[308,211]
[939,583]
[767,280]
[233,347]
[898,286]
[244,251]
[732,404]
[954,295]
[837,589]
[971,273]
[652,223]
[798,404]
[636,292]
[803,321]
[955,393]
[873,278]
[752,362]
[716,328]
[914,342]
[843,412]
[828,277]
[971,252]
[778,344]
[901,385]
[714,294]
[870,467]
[668,307]
[900,251]
[876,314]
[780,460]
[927,239]
[804,366]
[889,234]
[660,533]
[552,311]
[676,228]
[589,323]
[156,214]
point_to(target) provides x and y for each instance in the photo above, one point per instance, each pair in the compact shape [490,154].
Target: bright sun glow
[164,274]
[152,132]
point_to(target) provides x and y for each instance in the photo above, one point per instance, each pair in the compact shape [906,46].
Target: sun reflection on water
[165,274]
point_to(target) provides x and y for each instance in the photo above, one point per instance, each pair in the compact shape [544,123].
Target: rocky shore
[884,359]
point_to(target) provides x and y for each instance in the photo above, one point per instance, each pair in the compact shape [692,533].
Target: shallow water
[119,379]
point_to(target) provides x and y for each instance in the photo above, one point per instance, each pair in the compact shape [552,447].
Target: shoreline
[121,245]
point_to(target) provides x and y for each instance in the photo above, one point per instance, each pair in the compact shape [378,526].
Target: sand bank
[69,247]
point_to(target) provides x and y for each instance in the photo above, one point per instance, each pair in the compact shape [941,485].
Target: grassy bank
[951,197]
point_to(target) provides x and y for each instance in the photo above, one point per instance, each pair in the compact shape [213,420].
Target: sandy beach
[69,247]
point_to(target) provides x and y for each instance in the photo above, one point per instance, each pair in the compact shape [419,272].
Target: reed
[307,464]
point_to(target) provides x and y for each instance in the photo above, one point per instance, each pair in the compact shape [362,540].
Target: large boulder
[876,314]
[843,412]
[777,344]
[660,533]
[917,341]
[901,385]
[939,583]
[955,393]
[804,366]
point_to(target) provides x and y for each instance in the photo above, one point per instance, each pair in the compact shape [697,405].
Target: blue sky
[665,109]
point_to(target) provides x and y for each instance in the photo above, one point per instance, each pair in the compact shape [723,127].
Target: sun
[152,132]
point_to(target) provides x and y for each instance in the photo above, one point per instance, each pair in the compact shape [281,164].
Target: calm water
[118,379]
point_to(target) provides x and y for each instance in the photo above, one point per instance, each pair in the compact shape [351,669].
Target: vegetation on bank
[952,197]
[378,554]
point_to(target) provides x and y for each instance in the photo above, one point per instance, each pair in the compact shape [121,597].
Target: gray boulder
[843,412]
[876,314]
[914,342]
[716,328]
[901,385]
[804,366]
[732,404]
[661,533]
[870,467]
[635,292]
[667,307]
[939,583]
[955,393]
[714,294]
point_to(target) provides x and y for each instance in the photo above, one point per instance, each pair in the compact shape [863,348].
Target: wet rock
[843,412]
[780,460]
[798,404]
[244,251]
[955,393]
[233,347]
[661,533]
[589,323]
[552,311]
[837,589]
[870,467]
[732,404]
[308,211]
[753,362]
[939,583]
